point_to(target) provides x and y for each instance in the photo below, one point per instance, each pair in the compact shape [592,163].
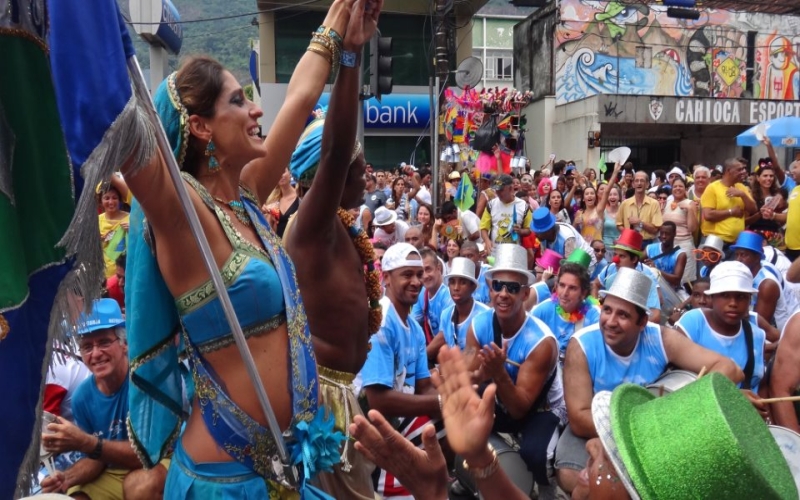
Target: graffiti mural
[609,47]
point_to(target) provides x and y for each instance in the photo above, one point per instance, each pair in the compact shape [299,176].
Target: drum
[671,381]
[669,297]
[508,455]
[789,443]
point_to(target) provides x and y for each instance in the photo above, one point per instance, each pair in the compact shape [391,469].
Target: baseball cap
[396,256]
[105,314]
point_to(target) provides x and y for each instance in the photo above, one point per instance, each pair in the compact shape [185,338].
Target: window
[499,65]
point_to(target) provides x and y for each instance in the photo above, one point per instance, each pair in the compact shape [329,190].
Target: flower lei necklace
[372,278]
[577,315]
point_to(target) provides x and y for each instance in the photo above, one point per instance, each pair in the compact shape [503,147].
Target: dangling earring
[213,164]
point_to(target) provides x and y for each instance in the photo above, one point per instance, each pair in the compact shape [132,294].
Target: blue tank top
[608,369]
[665,263]
[695,325]
[610,231]
[561,328]
[453,335]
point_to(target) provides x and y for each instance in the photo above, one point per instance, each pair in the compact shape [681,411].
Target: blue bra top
[252,283]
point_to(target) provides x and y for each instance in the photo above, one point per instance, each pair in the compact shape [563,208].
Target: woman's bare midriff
[270,352]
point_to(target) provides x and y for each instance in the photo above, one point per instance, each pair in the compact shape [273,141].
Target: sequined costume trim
[251,331]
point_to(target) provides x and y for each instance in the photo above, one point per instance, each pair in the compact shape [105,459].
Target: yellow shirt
[715,198]
[649,213]
[114,240]
[793,220]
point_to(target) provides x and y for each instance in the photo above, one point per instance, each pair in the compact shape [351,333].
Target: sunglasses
[511,286]
[712,256]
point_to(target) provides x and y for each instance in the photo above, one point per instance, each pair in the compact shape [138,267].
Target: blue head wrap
[174,116]
[306,157]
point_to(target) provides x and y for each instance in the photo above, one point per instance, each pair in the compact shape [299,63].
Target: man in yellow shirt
[726,203]
[791,217]
[640,212]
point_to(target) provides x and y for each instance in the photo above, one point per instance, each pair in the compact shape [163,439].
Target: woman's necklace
[372,278]
[576,315]
[237,207]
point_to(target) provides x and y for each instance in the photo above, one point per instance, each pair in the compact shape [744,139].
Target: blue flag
[68,85]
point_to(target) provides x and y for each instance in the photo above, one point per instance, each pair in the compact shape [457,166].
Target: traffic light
[682,9]
[380,65]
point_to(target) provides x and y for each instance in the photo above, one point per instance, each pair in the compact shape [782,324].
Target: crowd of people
[537,311]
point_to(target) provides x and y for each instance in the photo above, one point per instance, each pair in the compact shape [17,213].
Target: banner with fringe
[67,118]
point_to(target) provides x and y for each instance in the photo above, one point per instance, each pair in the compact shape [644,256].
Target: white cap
[396,256]
[731,276]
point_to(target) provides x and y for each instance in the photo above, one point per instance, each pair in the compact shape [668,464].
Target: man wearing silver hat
[519,354]
[456,318]
[623,348]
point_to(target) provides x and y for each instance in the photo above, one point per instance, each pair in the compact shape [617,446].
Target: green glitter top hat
[580,257]
[703,441]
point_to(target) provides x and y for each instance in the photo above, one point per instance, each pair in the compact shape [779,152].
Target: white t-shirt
[424,195]
[66,373]
[470,223]
[398,235]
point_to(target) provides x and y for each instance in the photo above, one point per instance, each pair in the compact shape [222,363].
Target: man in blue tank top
[519,354]
[100,408]
[624,347]
[433,299]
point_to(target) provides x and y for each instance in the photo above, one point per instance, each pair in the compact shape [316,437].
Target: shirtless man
[328,263]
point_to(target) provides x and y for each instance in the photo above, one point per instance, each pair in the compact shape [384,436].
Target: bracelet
[730,211]
[441,405]
[489,470]
[350,59]
[325,31]
[97,452]
[320,49]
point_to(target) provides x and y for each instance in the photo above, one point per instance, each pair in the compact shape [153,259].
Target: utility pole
[442,65]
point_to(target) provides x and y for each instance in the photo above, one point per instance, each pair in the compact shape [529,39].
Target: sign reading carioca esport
[692,110]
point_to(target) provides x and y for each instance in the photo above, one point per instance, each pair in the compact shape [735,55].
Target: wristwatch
[349,59]
[97,452]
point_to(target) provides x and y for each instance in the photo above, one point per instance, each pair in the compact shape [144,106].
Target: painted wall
[611,48]
[533,54]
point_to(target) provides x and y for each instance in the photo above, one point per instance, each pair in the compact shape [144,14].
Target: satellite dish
[469,72]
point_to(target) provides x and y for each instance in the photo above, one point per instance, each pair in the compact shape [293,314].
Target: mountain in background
[227,40]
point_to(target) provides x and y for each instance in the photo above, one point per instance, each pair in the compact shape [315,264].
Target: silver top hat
[461,267]
[714,242]
[631,286]
[511,257]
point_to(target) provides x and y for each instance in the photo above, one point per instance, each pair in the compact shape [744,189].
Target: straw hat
[510,257]
[702,441]
[631,286]
[454,176]
[461,267]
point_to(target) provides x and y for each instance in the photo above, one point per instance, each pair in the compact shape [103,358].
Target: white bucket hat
[511,257]
[631,286]
[461,267]
[731,276]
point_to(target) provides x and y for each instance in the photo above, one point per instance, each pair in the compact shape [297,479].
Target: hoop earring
[213,164]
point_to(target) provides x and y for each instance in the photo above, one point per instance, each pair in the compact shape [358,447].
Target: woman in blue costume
[226,449]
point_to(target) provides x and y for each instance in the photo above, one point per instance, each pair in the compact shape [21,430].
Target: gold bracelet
[489,470]
[321,50]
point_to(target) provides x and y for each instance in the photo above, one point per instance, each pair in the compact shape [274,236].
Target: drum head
[510,462]
[789,443]
[671,381]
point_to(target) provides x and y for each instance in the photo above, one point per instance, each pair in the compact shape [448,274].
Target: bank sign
[692,111]
[394,111]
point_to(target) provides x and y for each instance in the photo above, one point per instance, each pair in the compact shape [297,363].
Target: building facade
[670,89]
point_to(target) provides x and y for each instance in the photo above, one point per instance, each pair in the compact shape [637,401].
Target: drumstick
[702,372]
[513,363]
[787,399]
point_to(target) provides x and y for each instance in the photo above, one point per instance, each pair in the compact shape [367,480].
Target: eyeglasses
[712,256]
[599,250]
[103,345]
[664,198]
[511,286]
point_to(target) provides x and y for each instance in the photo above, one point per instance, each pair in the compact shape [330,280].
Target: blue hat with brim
[749,240]
[105,314]
[543,220]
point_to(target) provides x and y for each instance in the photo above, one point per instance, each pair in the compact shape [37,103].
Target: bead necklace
[372,278]
[237,207]
[576,315]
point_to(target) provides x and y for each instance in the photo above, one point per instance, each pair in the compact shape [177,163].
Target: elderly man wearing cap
[628,254]
[726,203]
[571,307]
[455,319]
[507,219]
[559,237]
[624,347]
[772,302]
[728,327]
[388,229]
[110,469]
[640,212]
[519,354]
[395,378]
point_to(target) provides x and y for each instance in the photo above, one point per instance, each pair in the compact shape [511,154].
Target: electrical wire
[234,16]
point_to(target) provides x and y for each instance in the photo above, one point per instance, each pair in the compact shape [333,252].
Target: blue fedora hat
[748,240]
[543,220]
